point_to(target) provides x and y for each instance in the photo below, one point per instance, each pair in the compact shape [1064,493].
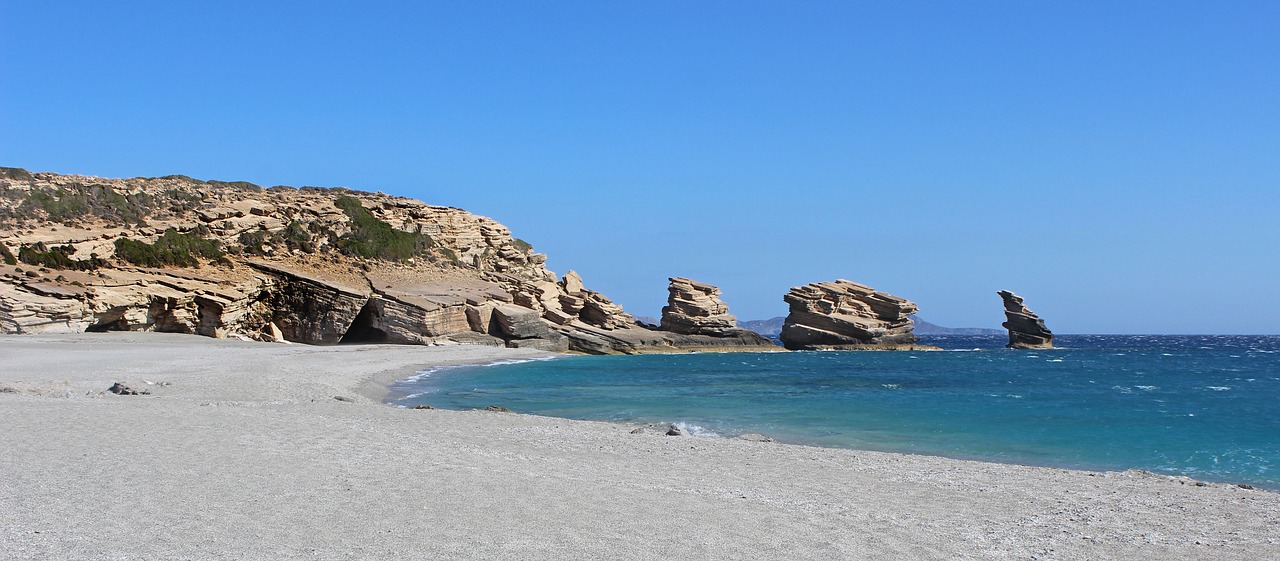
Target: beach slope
[265,451]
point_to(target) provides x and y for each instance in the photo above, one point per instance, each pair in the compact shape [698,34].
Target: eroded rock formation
[1026,329]
[694,312]
[694,308]
[846,315]
[309,265]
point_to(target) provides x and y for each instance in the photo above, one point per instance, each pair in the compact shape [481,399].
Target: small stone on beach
[121,389]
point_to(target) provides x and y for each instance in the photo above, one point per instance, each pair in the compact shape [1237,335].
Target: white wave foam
[695,430]
[1146,388]
[423,374]
[1219,388]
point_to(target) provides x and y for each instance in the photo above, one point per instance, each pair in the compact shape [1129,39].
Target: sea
[1207,407]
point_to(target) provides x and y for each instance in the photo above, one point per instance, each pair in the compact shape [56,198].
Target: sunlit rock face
[843,314]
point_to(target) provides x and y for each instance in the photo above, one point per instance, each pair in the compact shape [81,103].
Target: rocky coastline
[309,265]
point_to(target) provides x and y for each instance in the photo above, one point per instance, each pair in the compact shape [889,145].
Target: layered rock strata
[695,312]
[290,265]
[694,308]
[1026,329]
[846,315]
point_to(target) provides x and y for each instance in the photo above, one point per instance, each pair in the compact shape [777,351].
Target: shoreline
[251,442]
[782,440]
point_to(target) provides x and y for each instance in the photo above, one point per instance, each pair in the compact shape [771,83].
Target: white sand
[247,455]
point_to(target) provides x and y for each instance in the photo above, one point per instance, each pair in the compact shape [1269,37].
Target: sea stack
[1026,329]
[695,312]
[846,315]
[694,308]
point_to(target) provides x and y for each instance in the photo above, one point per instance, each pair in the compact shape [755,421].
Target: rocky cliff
[846,315]
[1026,329]
[307,265]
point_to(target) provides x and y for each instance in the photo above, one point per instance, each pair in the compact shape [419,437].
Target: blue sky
[1117,164]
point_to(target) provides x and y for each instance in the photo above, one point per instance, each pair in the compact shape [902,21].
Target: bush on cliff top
[75,200]
[373,238]
[173,248]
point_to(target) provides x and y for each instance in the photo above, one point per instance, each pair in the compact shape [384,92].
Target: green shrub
[373,238]
[76,201]
[173,248]
[56,257]
[16,173]
[238,185]
[292,236]
[252,242]
[182,177]
[9,258]
[522,245]
[60,205]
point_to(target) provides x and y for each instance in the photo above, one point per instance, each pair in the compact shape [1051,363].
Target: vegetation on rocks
[54,257]
[66,204]
[8,256]
[293,236]
[370,237]
[173,248]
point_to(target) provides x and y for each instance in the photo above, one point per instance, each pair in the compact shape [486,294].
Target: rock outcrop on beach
[846,315]
[694,313]
[1026,329]
[308,265]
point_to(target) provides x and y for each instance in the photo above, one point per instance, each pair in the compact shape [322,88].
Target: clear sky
[1116,163]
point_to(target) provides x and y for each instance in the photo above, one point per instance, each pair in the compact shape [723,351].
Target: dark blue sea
[1201,406]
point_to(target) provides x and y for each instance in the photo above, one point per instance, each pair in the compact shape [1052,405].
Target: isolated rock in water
[1026,329]
[694,317]
[846,315]
[694,309]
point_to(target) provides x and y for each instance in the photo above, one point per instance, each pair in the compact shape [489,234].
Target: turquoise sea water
[1203,406]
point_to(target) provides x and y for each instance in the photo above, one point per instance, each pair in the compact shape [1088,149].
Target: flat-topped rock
[1026,329]
[843,314]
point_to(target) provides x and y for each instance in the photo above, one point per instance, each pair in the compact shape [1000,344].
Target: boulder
[517,322]
[846,315]
[1026,329]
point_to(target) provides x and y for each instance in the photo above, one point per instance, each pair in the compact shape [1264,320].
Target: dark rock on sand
[121,389]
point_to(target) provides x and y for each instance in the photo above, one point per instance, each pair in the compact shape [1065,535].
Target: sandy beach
[265,451]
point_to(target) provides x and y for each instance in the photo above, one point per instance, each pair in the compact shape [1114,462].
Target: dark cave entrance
[362,328]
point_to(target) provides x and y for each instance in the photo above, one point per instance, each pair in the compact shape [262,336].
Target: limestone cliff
[309,265]
[1026,329]
[846,315]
